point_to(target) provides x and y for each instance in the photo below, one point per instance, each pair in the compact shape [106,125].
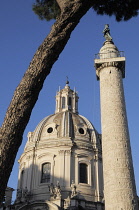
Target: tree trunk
[63,3]
[27,92]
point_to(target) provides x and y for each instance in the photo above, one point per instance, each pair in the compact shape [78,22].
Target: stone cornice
[118,65]
[81,145]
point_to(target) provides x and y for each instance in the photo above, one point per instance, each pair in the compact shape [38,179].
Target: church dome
[64,125]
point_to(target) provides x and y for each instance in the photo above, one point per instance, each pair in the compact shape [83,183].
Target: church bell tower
[119,183]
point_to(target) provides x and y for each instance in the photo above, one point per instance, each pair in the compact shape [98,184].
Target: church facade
[61,166]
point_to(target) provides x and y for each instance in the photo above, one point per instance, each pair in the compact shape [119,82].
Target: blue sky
[21,32]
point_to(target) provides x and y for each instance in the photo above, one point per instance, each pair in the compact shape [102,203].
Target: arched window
[56,104]
[83,173]
[70,103]
[76,104]
[46,172]
[63,102]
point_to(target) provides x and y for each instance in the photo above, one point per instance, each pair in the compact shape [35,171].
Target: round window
[81,130]
[50,130]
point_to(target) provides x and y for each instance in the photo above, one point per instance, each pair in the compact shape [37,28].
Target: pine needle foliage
[46,9]
[123,10]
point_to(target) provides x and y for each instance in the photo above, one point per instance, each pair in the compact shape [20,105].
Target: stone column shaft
[119,182]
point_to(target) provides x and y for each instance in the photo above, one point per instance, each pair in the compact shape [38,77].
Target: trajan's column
[119,182]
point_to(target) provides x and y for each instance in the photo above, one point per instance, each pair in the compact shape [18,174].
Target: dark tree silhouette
[121,9]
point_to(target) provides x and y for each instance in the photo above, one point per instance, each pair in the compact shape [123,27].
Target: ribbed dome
[63,125]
